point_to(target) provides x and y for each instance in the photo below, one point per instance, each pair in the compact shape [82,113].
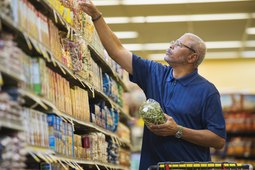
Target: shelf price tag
[30,47]
[55,16]
[42,157]
[61,68]
[53,158]
[60,17]
[66,168]
[70,73]
[106,167]
[118,142]
[36,45]
[48,158]
[97,166]
[68,31]
[72,31]
[53,59]
[93,92]
[69,163]
[78,166]
[1,26]
[1,79]
[35,157]
[34,97]
[45,54]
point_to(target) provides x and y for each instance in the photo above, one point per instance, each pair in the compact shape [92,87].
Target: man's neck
[179,72]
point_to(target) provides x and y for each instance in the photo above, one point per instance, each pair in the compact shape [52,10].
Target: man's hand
[88,7]
[167,129]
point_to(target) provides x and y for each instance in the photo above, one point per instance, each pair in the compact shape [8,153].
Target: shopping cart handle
[153,167]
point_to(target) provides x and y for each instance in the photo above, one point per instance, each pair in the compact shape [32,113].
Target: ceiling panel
[211,29]
[177,9]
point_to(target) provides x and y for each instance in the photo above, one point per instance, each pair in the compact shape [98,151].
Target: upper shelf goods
[82,25]
[239,113]
[90,75]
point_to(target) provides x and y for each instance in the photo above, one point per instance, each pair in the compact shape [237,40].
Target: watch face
[178,134]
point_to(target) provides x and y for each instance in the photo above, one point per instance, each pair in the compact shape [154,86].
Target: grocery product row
[34,74]
[57,133]
[47,39]
[239,115]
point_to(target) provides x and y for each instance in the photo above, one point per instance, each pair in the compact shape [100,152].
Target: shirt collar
[183,80]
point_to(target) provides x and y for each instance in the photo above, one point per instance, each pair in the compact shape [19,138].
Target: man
[192,105]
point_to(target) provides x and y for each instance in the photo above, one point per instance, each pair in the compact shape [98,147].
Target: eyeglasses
[178,43]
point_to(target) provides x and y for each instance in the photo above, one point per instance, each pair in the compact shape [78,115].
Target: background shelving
[239,112]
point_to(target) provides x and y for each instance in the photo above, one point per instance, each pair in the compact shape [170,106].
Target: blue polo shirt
[192,101]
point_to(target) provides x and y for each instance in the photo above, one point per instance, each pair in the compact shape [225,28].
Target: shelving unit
[47,155]
[33,47]
[239,111]
[10,125]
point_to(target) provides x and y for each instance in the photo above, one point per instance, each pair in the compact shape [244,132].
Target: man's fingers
[168,117]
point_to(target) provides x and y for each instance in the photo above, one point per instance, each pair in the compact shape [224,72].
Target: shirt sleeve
[214,115]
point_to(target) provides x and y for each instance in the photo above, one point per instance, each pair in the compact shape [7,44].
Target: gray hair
[198,45]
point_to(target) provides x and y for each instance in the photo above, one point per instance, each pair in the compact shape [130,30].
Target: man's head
[189,49]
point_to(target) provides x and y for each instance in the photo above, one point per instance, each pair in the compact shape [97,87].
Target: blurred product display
[239,112]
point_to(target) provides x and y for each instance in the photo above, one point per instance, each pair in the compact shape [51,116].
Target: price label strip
[1,79]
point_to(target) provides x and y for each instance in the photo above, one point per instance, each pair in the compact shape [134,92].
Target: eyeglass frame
[180,44]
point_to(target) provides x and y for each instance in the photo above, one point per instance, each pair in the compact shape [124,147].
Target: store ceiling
[223,24]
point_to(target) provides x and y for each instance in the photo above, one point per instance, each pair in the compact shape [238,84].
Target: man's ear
[192,58]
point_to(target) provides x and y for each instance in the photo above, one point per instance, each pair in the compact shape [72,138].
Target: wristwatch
[179,132]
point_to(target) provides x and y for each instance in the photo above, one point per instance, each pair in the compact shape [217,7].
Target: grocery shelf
[113,104]
[10,74]
[106,67]
[67,72]
[47,155]
[46,53]
[47,105]
[98,128]
[58,19]
[11,125]
[94,163]
[244,157]
[241,134]
[6,20]
[39,149]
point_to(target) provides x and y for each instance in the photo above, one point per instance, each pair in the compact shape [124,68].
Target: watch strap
[179,133]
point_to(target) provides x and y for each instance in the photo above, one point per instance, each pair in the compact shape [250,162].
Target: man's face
[178,52]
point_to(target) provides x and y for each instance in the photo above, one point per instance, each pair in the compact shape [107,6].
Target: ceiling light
[249,44]
[223,44]
[209,45]
[156,2]
[222,55]
[106,2]
[250,30]
[248,54]
[134,47]
[137,19]
[117,20]
[156,57]
[212,55]
[126,34]
[179,18]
